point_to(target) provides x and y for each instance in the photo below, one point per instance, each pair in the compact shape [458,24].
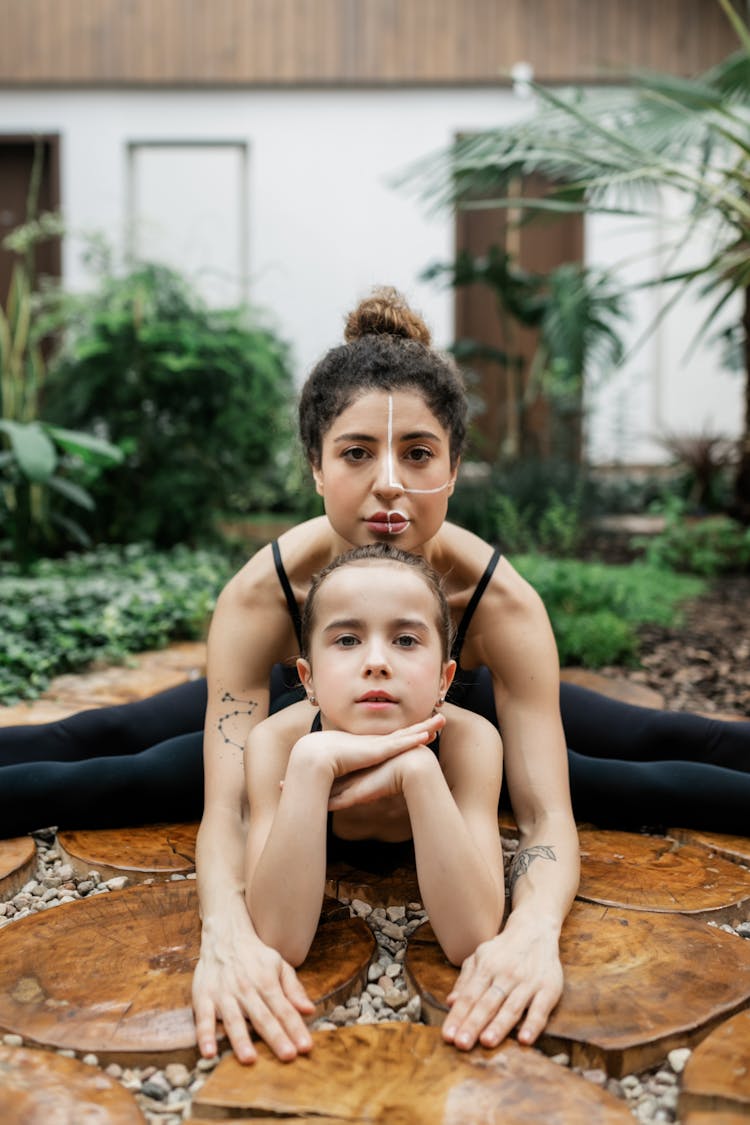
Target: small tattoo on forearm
[525,858]
[247,708]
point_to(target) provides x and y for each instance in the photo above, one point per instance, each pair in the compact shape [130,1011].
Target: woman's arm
[519,971]
[238,978]
[453,816]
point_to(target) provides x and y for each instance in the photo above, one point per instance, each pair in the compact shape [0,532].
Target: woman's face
[385,473]
[376,652]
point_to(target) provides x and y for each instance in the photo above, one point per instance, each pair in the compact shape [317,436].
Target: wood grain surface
[41,1088]
[17,864]
[655,873]
[139,853]
[112,973]
[717,1076]
[404,1074]
[734,848]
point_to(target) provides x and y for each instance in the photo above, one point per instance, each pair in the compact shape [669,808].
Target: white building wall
[319,221]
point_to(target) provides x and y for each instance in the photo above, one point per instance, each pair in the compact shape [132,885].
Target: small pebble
[117,883]
[90,1060]
[177,1075]
[12,1040]
[677,1058]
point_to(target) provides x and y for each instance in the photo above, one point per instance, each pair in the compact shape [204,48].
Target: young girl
[376,663]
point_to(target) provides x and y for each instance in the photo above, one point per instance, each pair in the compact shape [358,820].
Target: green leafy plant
[98,607]
[198,400]
[596,610]
[711,545]
[42,466]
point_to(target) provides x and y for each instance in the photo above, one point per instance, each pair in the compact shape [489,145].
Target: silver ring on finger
[497,988]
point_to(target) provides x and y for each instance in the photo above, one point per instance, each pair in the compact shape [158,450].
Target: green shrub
[709,546]
[596,610]
[198,400]
[99,607]
[526,506]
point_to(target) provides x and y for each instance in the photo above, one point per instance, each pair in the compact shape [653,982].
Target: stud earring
[312,700]
[441,701]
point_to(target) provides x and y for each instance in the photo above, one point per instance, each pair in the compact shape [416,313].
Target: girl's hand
[365,786]
[348,753]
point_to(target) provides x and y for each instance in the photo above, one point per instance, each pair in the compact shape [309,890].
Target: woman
[382,420]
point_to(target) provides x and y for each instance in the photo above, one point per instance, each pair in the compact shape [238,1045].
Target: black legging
[142,762]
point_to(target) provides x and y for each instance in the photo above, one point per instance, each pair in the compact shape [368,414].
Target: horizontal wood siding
[352,42]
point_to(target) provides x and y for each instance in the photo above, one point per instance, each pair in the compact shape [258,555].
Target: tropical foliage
[617,151]
[198,400]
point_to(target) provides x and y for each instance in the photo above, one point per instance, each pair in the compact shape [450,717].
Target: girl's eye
[406,641]
[355,453]
[419,455]
[347,641]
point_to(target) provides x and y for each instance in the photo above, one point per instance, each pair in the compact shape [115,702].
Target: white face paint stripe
[391,474]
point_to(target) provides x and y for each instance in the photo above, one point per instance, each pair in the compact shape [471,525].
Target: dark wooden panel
[356,42]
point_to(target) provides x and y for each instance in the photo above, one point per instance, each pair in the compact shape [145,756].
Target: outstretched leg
[123,730]
[599,727]
[163,783]
[673,794]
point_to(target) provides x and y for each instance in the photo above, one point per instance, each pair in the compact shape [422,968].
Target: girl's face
[385,473]
[376,653]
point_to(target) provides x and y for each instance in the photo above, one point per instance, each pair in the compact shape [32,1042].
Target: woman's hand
[348,753]
[518,971]
[238,980]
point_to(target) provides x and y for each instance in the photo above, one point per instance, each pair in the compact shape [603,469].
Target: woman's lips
[387,523]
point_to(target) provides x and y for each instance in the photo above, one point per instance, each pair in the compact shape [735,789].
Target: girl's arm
[453,816]
[286,842]
[286,849]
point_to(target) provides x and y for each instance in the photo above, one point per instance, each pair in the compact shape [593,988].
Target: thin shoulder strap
[291,602]
[465,622]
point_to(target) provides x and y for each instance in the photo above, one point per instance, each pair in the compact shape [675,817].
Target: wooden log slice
[734,848]
[655,873]
[709,1117]
[636,985]
[394,889]
[399,1073]
[717,1076]
[17,864]
[40,1088]
[112,973]
[139,853]
[152,672]
[614,687]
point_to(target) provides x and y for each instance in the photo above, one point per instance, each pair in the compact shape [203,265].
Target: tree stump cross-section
[717,1077]
[112,973]
[636,985]
[17,864]
[734,848]
[404,1074]
[41,1088]
[140,852]
[654,873]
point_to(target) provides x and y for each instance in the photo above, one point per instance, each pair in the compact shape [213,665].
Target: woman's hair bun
[385,313]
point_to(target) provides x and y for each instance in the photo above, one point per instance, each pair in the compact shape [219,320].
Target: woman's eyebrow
[355,437]
[417,434]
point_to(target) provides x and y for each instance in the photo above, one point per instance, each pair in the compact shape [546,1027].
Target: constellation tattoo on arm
[248,707]
[524,860]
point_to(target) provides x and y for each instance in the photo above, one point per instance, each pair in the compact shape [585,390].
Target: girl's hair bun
[385,313]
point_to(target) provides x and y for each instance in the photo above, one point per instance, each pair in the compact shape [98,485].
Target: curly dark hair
[380,552]
[387,349]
